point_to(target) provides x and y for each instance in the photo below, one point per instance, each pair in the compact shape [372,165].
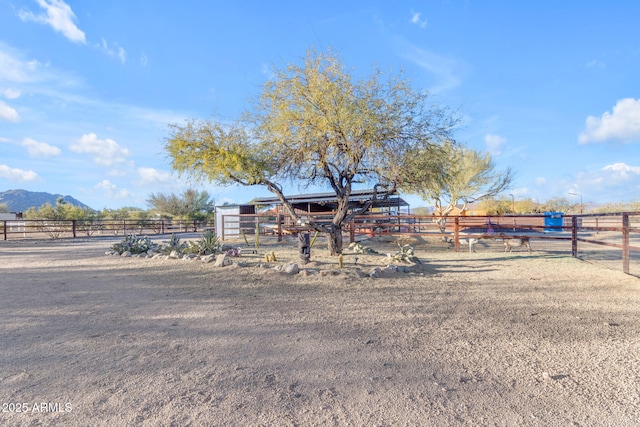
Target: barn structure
[229,221]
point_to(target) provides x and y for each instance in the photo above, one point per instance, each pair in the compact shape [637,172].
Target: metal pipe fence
[611,239]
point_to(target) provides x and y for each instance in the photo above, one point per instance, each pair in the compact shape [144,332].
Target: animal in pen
[515,242]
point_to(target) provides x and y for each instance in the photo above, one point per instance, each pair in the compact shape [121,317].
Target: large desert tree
[191,204]
[315,124]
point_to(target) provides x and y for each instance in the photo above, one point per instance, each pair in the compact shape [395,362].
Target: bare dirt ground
[475,339]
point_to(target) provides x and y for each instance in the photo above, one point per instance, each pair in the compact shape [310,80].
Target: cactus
[315,236]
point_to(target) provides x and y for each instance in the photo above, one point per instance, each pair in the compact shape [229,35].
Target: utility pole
[579,195]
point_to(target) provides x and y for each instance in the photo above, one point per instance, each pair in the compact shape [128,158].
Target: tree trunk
[335,240]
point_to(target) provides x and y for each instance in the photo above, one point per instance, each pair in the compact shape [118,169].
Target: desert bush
[405,254]
[207,244]
[134,245]
[174,244]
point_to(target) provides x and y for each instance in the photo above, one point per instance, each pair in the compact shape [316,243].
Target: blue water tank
[552,220]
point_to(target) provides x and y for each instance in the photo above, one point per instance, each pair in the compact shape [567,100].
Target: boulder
[291,268]
[222,261]
[207,258]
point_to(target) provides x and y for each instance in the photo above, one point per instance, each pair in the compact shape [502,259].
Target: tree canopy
[314,124]
[191,204]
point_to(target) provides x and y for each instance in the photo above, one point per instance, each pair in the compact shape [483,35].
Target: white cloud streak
[416,19]
[17,175]
[8,113]
[622,124]
[151,176]
[40,149]
[494,144]
[59,16]
[111,190]
[10,93]
[446,72]
[115,51]
[106,152]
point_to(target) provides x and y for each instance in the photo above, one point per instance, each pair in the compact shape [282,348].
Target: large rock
[207,258]
[222,261]
[291,268]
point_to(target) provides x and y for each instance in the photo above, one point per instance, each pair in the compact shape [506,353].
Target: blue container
[552,220]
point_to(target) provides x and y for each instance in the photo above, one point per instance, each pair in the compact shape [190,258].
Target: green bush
[134,244]
[207,244]
[174,244]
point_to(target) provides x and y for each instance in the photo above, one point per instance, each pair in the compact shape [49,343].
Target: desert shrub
[207,244]
[174,244]
[406,254]
[134,245]
[234,252]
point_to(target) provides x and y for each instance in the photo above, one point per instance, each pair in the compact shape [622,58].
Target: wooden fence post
[5,230]
[574,236]
[352,231]
[625,242]
[279,219]
[456,234]
[73,227]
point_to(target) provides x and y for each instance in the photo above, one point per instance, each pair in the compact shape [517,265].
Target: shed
[230,226]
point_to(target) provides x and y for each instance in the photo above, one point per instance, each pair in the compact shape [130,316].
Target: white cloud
[59,16]
[111,190]
[8,113]
[115,51]
[144,60]
[18,175]
[541,181]
[494,143]
[106,152]
[11,93]
[622,124]
[151,176]
[416,18]
[611,183]
[15,68]
[594,63]
[446,71]
[618,172]
[40,149]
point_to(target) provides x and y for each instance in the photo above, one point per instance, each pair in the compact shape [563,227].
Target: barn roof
[328,199]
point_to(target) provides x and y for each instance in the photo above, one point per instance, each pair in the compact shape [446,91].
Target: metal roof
[360,196]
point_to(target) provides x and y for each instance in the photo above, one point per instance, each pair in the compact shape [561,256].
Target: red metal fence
[609,239]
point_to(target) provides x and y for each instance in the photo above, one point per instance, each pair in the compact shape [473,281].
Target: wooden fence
[606,238]
[612,239]
[54,229]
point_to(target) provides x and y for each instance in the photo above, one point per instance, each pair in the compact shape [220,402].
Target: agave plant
[174,244]
[207,244]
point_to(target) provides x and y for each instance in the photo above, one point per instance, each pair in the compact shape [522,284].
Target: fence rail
[612,239]
[54,229]
[607,238]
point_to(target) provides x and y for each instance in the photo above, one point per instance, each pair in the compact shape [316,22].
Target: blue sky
[87,88]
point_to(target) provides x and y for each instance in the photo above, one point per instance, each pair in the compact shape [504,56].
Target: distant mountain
[21,200]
